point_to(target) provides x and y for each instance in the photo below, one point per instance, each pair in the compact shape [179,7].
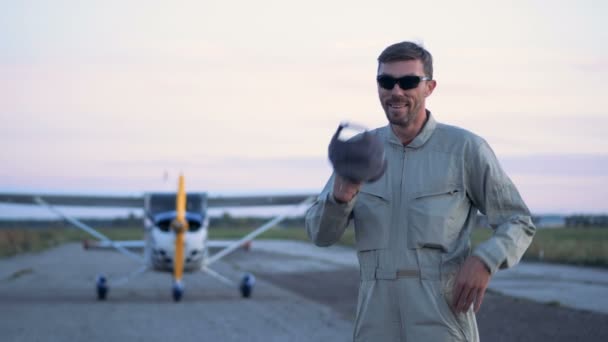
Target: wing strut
[218,276]
[89,230]
[273,222]
[126,278]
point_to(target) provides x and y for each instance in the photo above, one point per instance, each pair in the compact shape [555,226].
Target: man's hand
[344,191]
[470,284]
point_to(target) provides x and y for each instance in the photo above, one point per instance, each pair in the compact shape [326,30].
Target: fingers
[470,285]
[469,300]
[458,290]
[479,298]
[464,295]
[466,299]
[344,190]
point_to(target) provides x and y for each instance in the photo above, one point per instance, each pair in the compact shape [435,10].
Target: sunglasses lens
[409,82]
[405,82]
[386,82]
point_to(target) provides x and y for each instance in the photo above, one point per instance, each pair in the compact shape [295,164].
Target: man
[420,279]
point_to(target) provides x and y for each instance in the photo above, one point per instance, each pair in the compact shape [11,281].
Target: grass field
[580,246]
[14,241]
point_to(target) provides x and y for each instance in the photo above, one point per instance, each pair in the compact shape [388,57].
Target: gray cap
[359,159]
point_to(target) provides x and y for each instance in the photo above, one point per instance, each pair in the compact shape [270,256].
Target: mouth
[397,104]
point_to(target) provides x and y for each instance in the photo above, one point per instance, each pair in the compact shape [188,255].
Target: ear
[429,87]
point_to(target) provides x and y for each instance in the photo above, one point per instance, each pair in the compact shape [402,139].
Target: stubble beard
[406,120]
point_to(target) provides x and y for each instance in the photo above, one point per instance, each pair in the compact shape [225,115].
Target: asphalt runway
[50,296]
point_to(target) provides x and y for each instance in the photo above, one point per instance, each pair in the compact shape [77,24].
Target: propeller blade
[181,226]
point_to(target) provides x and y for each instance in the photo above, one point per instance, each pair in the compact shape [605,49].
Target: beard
[402,116]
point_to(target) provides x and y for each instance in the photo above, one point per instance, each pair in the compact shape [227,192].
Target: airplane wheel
[247,284]
[102,287]
[178,292]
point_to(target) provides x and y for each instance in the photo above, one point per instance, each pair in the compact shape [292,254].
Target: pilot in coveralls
[414,211]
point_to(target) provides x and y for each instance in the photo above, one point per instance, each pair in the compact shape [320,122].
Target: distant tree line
[224,221]
[585,221]
[572,221]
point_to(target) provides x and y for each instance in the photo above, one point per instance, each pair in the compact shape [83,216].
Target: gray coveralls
[413,227]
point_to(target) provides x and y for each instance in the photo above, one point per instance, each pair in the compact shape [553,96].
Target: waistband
[380,273]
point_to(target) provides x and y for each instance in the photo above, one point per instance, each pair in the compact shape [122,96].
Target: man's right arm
[327,219]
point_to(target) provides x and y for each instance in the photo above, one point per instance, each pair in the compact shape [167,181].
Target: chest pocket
[435,217]
[372,216]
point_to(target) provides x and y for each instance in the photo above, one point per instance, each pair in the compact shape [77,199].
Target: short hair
[407,51]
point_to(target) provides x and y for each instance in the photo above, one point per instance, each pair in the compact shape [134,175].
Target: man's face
[404,107]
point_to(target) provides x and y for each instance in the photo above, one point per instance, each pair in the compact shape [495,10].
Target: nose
[397,90]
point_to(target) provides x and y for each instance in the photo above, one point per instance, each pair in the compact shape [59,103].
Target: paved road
[580,288]
[501,318]
[576,287]
[50,297]
[303,293]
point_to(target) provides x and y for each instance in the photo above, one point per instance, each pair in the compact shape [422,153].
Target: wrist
[340,199]
[337,200]
[483,263]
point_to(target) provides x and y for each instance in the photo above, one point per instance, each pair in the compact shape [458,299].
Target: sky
[243,96]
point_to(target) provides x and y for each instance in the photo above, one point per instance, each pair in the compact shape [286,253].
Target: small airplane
[175,227]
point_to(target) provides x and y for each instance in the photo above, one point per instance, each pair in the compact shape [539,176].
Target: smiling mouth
[397,105]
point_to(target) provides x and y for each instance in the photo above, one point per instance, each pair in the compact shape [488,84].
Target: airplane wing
[100,244]
[96,244]
[111,201]
[52,200]
[74,200]
[257,200]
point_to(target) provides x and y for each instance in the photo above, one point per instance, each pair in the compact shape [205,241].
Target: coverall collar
[423,136]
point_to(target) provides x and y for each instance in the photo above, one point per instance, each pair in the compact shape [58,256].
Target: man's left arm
[495,195]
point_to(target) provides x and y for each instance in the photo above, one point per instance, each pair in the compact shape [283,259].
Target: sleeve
[326,219]
[495,195]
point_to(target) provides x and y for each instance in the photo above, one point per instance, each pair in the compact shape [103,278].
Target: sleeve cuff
[490,256]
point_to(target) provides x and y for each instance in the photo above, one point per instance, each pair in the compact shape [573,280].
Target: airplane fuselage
[161,244]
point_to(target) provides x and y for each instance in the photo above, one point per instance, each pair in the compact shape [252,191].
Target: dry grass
[580,246]
[584,246]
[15,240]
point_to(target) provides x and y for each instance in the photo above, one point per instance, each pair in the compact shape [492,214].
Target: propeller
[180,226]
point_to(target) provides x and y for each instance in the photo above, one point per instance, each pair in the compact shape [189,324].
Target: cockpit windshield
[157,203]
[160,208]
[163,221]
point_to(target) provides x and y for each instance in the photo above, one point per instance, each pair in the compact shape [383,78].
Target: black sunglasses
[405,82]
